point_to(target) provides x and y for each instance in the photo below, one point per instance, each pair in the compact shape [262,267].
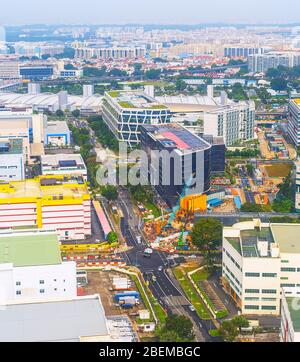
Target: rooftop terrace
[132,100]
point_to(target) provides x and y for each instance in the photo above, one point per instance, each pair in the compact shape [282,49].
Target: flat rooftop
[176,136]
[57,127]
[29,249]
[62,160]
[45,187]
[53,321]
[13,146]
[135,100]
[287,237]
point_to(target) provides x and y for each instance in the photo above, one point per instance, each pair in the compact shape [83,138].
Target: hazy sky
[148,11]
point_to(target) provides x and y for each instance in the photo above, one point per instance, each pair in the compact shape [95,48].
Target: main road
[155,269]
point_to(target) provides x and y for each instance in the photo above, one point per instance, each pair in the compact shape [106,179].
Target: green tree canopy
[207,233]
[110,192]
[230,329]
[177,328]
[112,237]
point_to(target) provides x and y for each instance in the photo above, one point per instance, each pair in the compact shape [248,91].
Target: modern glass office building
[189,156]
[125,111]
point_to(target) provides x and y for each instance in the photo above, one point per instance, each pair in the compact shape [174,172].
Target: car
[192,308]
[160,268]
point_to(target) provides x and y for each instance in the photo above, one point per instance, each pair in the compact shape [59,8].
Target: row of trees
[103,133]
[247,152]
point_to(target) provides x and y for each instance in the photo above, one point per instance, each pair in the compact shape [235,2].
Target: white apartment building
[63,164]
[31,267]
[258,261]
[12,161]
[294,120]
[109,53]
[260,63]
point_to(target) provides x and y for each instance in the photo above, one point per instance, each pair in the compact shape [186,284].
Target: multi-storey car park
[260,260]
[47,202]
[125,111]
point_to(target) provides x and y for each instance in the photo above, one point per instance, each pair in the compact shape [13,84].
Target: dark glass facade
[198,161]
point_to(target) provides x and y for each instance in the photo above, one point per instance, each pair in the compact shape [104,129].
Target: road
[245,185]
[164,289]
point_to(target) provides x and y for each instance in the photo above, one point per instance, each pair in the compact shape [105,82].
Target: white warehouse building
[259,260]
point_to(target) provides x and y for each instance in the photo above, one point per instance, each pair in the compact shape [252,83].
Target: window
[268,299]
[251,290]
[269,291]
[287,285]
[42,282]
[268,307]
[285,261]
[269,275]
[252,274]
[256,307]
[252,299]
[55,289]
[288,269]
[18,292]
[42,291]
[18,283]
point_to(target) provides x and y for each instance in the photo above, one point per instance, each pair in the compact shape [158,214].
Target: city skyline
[167,12]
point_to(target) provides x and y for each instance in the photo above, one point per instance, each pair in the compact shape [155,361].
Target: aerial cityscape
[149,175]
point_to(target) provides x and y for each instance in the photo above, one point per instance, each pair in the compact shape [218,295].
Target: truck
[132,293]
[128,302]
[148,252]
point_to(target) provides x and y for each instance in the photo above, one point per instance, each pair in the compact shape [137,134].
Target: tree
[112,237]
[180,85]
[76,113]
[279,84]
[137,69]
[59,113]
[230,329]
[207,234]
[153,74]
[70,67]
[110,192]
[177,328]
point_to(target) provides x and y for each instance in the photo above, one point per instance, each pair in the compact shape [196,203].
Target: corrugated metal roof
[65,320]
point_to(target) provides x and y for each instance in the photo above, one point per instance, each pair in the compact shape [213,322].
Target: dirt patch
[279,170]
[100,282]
